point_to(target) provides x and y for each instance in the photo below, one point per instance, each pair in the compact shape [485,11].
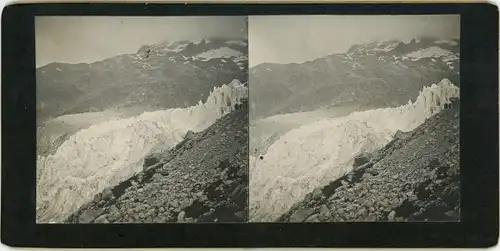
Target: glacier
[314,154]
[107,153]
[266,130]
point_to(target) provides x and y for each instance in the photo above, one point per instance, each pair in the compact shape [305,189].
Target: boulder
[301,215]
[203,198]
[89,215]
[324,210]
[97,198]
[101,219]
[181,216]
[370,218]
[316,194]
[106,194]
[401,135]
[308,197]
[361,159]
[160,219]
[189,135]
[372,172]
[189,220]
[241,215]
[313,218]
[391,216]
[366,175]
[157,176]
[186,203]
[150,160]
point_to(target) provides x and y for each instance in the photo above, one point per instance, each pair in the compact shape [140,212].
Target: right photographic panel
[354,118]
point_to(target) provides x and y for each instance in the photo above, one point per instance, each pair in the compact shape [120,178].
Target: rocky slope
[160,76]
[203,179]
[415,177]
[372,75]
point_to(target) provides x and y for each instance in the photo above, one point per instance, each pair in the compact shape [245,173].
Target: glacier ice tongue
[107,153]
[322,151]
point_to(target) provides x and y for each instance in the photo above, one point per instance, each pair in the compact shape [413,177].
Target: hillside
[204,178]
[160,76]
[415,177]
[367,76]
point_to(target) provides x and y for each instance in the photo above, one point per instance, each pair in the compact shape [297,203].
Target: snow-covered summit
[193,51]
[433,51]
[401,47]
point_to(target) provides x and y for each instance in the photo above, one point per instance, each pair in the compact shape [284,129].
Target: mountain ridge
[371,75]
[155,77]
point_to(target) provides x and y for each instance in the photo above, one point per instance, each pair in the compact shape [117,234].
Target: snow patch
[178,48]
[444,41]
[237,42]
[409,40]
[451,57]
[317,153]
[223,52]
[390,47]
[240,58]
[106,153]
[198,41]
[432,51]
[356,65]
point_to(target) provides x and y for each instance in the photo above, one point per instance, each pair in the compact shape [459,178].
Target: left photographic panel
[141,119]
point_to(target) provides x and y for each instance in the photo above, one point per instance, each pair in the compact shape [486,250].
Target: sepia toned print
[354,118]
[142,119]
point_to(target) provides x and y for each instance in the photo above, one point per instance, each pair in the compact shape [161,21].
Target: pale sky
[86,39]
[296,39]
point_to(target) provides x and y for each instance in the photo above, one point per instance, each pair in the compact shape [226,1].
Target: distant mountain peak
[372,74]
[206,49]
[185,67]
[179,45]
[405,48]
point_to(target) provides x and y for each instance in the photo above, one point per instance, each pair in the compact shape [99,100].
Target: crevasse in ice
[107,153]
[322,151]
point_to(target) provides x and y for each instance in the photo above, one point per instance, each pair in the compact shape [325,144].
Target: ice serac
[107,153]
[322,151]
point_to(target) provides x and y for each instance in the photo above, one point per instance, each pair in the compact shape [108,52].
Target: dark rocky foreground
[415,177]
[203,179]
